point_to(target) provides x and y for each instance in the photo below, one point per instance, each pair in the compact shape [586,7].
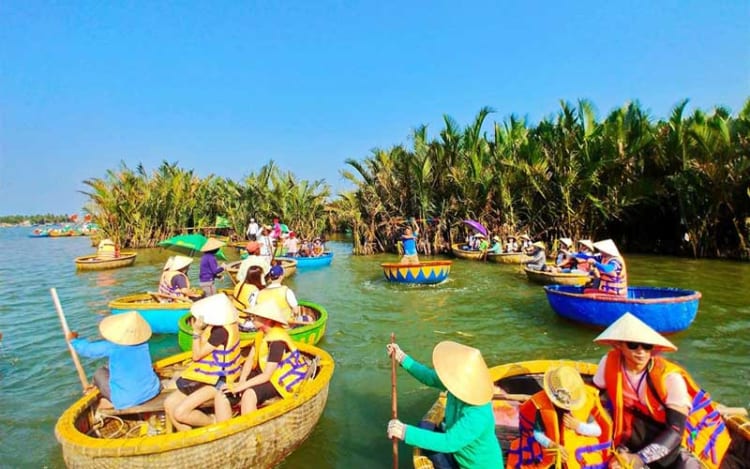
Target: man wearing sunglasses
[662,419]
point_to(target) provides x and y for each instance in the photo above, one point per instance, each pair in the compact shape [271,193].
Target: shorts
[188,386]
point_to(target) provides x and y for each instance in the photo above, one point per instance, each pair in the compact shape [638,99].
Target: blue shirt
[469,429]
[410,245]
[209,268]
[132,380]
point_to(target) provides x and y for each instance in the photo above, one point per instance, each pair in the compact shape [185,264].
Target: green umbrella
[284,228]
[189,244]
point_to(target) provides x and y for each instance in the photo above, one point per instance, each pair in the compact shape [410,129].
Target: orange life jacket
[586,452]
[615,283]
[706,435]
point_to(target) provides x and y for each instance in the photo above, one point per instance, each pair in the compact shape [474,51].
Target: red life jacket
[706,435]
[586,452]
[615,283]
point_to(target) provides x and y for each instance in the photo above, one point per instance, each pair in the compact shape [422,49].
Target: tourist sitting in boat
[538,253]
[497,245]
[291,244]
[409,242]
[483,244]
[466,438]
[564,260]
[246,292]
[253,258]
[657,409]
[210,269]
[526,243]
[511,245]
[317,248]
[282,295]
[610,272]
[106,249]
[174,284]
[274,367]
[584,258]
[128,379]
[216,361]
[564,420]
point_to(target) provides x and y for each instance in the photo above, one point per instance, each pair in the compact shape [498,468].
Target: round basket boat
[289,265]
[666,310]
[91,262]
[307,333]
[264,438]
[303,262]
[508,258]
[161,316]
[556,278]
[462,251]
[429,272]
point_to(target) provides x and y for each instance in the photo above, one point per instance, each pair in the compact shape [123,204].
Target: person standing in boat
[291,244]
[273,368]
[564,420]
[659,412]
[611,272]
[466,438]
[216,361]
[409,242]
[252,230]
[174,284]
[210,270]
[128,379]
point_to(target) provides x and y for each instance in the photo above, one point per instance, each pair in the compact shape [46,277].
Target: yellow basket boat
[523,379]
[556,278]
[91,262]
[261,439]
[472,254]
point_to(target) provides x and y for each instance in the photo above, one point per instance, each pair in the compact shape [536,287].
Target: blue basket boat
[429,272]
[302,262]
[666,310]
[162,317]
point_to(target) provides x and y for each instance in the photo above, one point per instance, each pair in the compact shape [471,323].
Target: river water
[488,306]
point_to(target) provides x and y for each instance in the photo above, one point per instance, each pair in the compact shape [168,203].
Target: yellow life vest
[277,294]
[291,370]
[224,362]
[106,250]
[242,294]
[165,283]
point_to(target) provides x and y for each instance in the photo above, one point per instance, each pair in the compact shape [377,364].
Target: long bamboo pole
[66,332]
[394,401]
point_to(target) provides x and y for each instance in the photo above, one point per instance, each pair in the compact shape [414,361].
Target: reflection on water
[485,305]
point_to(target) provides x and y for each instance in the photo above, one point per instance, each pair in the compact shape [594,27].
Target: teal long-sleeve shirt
[469,429]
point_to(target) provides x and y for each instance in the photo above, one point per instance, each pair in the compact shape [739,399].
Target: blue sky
[224,87]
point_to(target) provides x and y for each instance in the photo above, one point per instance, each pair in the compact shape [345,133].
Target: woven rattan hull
[259,440]
[91,262]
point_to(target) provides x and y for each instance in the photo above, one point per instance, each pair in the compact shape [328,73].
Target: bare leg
[170,404]
[249,401]
[187,413]
[222,407]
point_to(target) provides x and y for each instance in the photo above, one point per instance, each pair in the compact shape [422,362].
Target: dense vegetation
[34,219]
[674,186]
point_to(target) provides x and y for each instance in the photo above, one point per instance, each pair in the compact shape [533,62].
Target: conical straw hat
[629,328]
[587,243]
[269,310]
[168,264]
[607,247]
[215,310]
[567,241]
[212,244]
[565,387]
[540,245]
[125,329]
[526,237]
[180,262]
[463,372]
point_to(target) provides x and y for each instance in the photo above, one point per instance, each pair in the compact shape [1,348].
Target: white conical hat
[168,264]
[180,262]
[212,244]
[587,243]
[215,310]
[463,372]
[125,329]
[629,328]
[607,247]
[567,241]
[269,310]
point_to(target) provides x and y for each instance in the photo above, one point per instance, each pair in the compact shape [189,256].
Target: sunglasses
[635,345]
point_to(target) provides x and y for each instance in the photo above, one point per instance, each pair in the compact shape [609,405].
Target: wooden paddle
[394,401]
[66,331]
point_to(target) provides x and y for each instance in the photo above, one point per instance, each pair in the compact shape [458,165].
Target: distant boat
[92,262]
[666,310]
[318,261]
[556,278]
[462,251]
